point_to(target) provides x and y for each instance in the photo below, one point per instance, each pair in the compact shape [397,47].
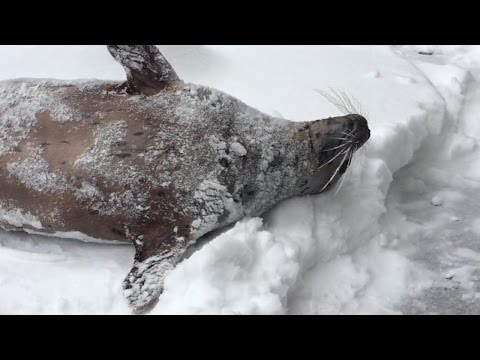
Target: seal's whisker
[339,153]
[334,101]
[344,102]
[351,156]
[338,98]
[361,110]
[343,179]
[349,103]
[342,139]
[336,147]
[360,158]
[347,134]
[336,170]
[345,174]
[340,186]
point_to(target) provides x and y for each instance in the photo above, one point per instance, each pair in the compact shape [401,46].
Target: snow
[405,221]
[34,173]
[17,218]
[238,149]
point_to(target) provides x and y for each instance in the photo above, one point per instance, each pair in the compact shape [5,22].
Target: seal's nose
[363,130]
[360,129]
[361,122]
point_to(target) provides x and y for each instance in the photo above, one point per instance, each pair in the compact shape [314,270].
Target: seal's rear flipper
[154,258]
[148,72]
[144,284]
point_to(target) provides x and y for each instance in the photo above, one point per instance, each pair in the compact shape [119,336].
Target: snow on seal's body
[153,161]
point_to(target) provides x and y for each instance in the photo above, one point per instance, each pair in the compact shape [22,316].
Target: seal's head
[333,143]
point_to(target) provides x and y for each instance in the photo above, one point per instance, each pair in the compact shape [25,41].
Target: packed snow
[402,236]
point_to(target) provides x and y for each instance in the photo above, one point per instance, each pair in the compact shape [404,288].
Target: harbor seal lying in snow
[153,161]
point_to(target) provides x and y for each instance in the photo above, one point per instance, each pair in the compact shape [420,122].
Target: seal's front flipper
[153,260]
[148,72]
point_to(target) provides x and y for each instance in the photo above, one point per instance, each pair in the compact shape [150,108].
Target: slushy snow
[402,235]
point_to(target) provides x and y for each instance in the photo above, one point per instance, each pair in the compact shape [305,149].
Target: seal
[153,161]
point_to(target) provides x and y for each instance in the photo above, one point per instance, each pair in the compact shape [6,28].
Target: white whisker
[341,139]
[341,183]
[359,159]
[336,171]
[336,147]
[344,102]
[339,153]
[345,174]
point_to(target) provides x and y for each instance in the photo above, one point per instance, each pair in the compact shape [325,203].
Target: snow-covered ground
[402,236]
